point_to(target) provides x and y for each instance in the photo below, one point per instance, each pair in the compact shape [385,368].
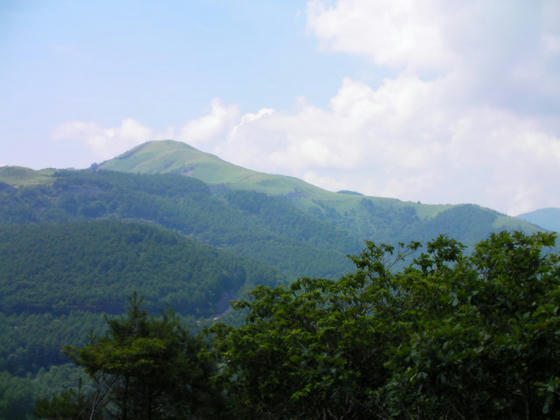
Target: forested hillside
[378,218]
[96,266]
[189,233]
[245,223]
[450,336]
[57,282]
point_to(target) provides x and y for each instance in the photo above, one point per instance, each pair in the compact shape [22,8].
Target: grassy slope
[171,156]
[177,157]
[24,177]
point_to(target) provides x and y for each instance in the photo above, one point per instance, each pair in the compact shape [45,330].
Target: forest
[77,245]
[243,222]
[448,336]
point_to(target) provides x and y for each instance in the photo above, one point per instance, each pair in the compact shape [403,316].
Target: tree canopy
[144,367]
[449,336]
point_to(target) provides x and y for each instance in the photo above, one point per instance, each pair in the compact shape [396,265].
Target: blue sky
[437,101]
[161,63]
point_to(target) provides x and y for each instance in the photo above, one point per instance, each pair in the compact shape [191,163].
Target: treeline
[447,337]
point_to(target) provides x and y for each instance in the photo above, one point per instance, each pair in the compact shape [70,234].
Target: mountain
[357,216]
[245,223]
[180,227]
[168,156]
[548,218]
[377,218]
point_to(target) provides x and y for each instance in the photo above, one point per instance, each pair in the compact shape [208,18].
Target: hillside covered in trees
[448,337]
[189,233]
[245,223]
[59,281]
[96,266]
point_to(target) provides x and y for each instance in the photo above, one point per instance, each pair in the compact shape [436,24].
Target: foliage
[30,342]
[95,266]
[19,393]
[265,228]
[143,368]
[448,337]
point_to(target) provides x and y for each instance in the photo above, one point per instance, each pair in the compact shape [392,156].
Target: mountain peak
[170,156]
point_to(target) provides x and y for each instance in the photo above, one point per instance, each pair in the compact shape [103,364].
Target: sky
[438,101]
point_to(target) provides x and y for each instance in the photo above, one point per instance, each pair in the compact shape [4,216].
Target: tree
[449,336]
[146,368]
[487,344]
[313,349]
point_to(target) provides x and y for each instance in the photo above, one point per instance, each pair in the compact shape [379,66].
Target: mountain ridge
[548,218]
[177,157]
[363,215]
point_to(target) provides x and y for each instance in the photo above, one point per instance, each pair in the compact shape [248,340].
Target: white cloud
[478,129]
[403,140]
[551,43]
[497,52]
[210,126]
[467,114]
[105,142]
[392,33]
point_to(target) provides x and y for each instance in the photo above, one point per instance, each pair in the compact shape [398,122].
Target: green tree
[313,349]
[486,344]
[147,368]
[449,336]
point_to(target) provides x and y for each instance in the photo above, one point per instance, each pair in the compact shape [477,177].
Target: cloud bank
[469,113]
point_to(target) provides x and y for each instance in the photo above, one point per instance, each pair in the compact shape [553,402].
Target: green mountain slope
[96,266]
[548,218]
[381,219]
[168,156]
[58,282]
[246,223]
[18,176]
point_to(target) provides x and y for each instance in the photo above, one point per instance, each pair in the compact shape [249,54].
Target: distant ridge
[548,218]
[361,214]
[19,176]
[362,217]
[170,156]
